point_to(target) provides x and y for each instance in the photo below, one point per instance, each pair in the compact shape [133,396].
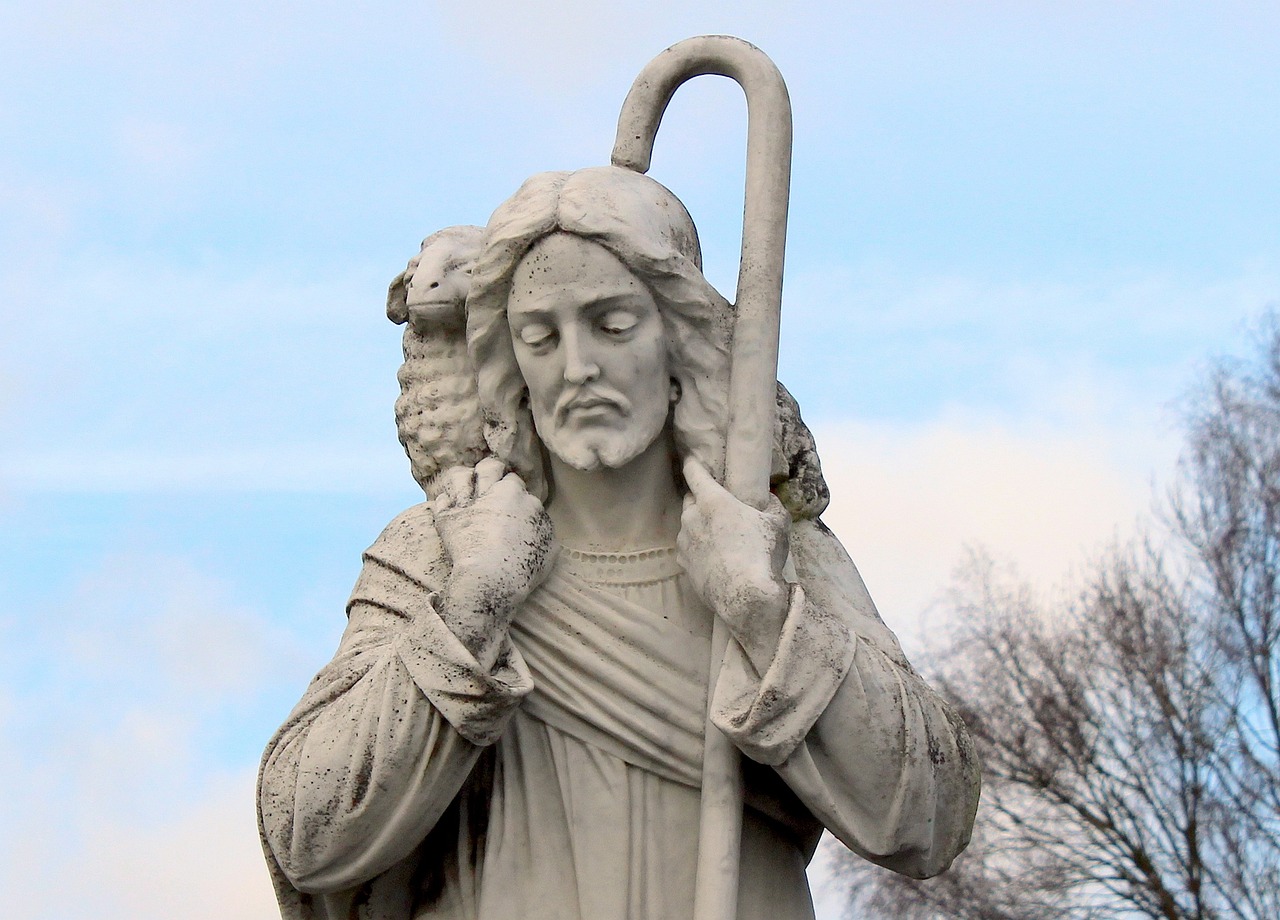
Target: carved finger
[509,489]
[488,472]
[517,479]
[457,485]
[441,503]
[700,483]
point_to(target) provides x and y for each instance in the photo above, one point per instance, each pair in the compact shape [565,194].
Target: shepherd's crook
[754,369]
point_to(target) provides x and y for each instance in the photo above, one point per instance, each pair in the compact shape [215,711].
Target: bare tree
[1131,739]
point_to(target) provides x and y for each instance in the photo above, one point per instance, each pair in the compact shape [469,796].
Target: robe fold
[564,783]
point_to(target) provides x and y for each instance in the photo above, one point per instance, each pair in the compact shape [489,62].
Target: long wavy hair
[647,228]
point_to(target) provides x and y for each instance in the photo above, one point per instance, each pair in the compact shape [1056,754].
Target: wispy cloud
[896,345]
[114,718]
[314,467]
[200,861]
[1014,233]
[908,499]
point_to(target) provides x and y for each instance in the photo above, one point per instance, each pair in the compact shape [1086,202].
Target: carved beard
[591,447]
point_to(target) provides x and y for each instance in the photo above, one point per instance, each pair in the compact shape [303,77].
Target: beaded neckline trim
[633,568]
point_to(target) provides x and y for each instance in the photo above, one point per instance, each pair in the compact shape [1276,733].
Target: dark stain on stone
[460,834]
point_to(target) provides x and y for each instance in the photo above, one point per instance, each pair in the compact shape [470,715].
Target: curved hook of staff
[754,368]
[764,224]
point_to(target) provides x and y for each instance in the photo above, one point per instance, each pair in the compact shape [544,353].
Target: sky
[1019,233]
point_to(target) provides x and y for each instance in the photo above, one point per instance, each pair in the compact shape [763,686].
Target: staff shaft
[754,369]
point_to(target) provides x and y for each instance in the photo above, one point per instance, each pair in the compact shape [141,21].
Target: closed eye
[537,335]
[618,322]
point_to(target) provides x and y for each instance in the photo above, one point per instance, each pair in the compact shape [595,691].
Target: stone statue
[515,724]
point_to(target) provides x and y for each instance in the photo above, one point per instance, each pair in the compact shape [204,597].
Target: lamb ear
[398,299]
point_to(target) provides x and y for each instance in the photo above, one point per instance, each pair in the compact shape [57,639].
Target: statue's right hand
[459,486]
[496,534]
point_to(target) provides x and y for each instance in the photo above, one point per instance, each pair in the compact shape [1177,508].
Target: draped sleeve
[865,744]
[386,733]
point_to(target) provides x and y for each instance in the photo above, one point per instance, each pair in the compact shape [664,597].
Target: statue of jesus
[512,726]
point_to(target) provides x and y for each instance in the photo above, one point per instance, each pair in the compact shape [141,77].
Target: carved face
[591,347]
[437,287]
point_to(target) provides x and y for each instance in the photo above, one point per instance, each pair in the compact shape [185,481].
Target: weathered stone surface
[515,723]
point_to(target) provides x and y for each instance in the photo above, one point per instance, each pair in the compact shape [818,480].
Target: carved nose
[578,366]
[581,371]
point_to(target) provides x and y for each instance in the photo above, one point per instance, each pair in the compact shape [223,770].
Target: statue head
[637,250]
[432,290]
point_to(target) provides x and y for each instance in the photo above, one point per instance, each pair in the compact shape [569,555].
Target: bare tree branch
[1131,739]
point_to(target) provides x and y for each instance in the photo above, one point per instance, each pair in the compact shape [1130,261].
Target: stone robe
[564,783]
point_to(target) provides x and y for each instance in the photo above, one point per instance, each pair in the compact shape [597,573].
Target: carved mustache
[588,398]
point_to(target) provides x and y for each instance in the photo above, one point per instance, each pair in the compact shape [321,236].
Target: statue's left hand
[734,556]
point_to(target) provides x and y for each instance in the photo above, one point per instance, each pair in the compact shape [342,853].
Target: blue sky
[1018,231]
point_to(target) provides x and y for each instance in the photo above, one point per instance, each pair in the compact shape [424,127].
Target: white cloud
[1134,313]
[163,634]
[114,698]
[205,863]
[202,861]
[315,467]
[908,499]
[125,374]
